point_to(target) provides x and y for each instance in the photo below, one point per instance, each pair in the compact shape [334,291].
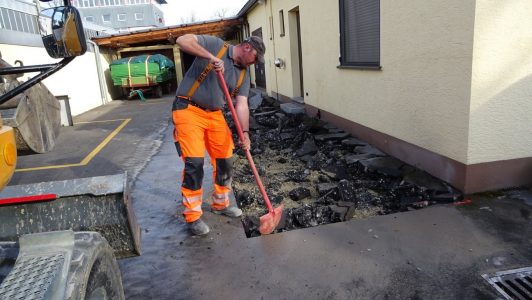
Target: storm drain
[512,284]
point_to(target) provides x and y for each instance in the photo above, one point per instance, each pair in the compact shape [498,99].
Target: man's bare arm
[242,112]
[189,44]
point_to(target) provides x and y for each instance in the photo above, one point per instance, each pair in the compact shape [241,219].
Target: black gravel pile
[335,176]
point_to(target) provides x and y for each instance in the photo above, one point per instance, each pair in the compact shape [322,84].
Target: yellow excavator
[8,154]
[59,239]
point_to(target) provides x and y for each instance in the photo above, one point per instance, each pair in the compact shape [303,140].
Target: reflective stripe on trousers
[192,210]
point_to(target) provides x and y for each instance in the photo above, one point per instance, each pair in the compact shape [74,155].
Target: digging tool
[269,221]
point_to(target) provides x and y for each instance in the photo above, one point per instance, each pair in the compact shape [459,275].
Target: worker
[200,124]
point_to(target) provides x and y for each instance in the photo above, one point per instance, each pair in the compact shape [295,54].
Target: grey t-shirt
[209,93]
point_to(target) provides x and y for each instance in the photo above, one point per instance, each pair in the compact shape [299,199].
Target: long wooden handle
[241,137]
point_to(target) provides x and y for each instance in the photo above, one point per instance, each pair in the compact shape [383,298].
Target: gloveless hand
[217,63]
[246,143]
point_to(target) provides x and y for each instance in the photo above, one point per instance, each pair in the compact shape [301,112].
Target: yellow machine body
[8,154]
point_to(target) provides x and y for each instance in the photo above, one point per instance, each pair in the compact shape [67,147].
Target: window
[139,16]
[89,18]
[106,18]
[121,17]
[281,24]
[360,33]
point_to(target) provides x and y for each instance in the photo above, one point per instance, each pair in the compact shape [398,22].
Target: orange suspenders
[206,71]
[239,83]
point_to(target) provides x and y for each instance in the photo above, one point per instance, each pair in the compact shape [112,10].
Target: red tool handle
[241,137]
[28,199]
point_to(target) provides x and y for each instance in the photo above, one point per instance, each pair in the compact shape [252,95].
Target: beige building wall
[421,94]
[78,79]
[501,94]
[423,68]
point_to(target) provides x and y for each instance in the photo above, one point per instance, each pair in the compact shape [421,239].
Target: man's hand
[171,39]
[246,143]
[217,63]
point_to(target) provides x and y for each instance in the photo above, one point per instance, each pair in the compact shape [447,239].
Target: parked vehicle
[144,73]
[58,240]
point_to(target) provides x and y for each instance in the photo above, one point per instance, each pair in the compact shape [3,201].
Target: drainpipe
[271,24]
[99,70]
[38,6]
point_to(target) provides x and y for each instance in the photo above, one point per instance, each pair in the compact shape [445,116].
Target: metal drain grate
[512,284]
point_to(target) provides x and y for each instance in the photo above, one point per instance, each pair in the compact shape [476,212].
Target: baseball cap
[257,44]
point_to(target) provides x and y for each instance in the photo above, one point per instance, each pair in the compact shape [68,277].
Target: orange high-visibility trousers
[197,130]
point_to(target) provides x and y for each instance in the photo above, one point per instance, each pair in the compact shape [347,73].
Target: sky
[177,11]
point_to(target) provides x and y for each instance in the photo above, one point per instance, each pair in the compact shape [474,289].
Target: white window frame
[357,34]
[106,21]
[137,16]
[89,17]
[119,17]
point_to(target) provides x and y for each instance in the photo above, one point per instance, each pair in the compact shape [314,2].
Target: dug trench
[322,174]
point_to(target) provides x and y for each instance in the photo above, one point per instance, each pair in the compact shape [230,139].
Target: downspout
[271,24]
[38,6]
[99,70]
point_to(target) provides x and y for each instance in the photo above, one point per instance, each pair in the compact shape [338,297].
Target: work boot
[198,227]
[230,211]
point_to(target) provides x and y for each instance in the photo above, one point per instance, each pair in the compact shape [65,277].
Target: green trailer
[141,74]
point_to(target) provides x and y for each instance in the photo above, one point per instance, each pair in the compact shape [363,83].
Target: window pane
[106,18]
[12,21]
[360,32]
[34,26]
[281,22]
[29,24]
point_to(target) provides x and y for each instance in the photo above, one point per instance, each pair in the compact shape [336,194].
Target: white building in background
[20,40]
[122,15]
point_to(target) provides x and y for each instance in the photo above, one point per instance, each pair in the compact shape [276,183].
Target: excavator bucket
[35,114]
[100,204]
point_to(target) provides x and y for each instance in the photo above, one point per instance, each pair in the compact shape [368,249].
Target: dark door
[260,74]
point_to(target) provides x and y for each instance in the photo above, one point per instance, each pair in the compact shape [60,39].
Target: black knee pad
[193,173]
[224,171]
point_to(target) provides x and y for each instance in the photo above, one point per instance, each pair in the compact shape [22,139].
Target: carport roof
[224,28]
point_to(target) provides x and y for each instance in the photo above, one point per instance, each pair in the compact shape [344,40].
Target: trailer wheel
[94,272]
[125,92]
[159,91]
[168,88]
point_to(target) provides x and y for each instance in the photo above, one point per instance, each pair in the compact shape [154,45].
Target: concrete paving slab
[435,253]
